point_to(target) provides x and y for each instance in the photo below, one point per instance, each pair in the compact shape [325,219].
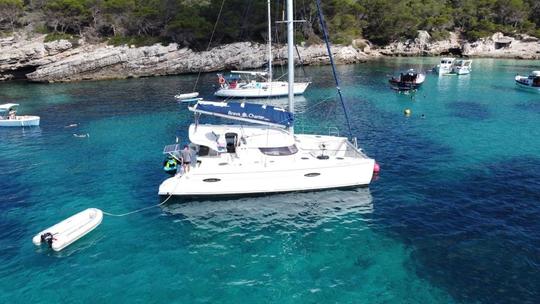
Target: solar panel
[171,149]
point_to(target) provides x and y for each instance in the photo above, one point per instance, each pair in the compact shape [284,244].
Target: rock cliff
[496,46]
[63,61]
[22,57]
[500,46]
[423,45]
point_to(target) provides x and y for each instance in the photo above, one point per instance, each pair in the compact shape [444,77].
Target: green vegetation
[57,36]
[190,23]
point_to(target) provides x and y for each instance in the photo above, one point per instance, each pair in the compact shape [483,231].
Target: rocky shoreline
[496,46]
[34,60]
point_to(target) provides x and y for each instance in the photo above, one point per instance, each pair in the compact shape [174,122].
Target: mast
[290,55]
[269,44]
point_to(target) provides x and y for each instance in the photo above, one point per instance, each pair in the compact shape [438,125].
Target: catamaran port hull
[273,182]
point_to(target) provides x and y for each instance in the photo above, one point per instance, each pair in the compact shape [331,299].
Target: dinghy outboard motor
[48,238]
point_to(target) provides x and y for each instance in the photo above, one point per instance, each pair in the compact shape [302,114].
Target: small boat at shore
[532,81]
[445,66]
[451,66]
[461,67]
[408,80]
[9,117]
[69,230]
[187,96]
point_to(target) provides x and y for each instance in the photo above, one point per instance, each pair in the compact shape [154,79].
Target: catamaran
[9,117]
[257,84]
[261,153]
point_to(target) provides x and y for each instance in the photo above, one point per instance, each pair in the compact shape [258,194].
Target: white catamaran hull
[277,180]
[262,89]
[20,121]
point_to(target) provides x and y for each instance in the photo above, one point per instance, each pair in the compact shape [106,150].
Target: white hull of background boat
[262,89]
[461,71]
[443,70]
[20,121]
[187,96]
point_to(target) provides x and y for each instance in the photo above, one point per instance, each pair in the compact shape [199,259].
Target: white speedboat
[9,117]
[461,67]
[445,66]
[254,84]
[265,156]
[532,81]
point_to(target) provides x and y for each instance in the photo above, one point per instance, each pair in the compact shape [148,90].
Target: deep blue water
[454,216]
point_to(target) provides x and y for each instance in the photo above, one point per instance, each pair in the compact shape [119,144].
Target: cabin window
[279,151]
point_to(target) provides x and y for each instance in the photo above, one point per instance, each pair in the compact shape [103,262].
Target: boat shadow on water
[314,208]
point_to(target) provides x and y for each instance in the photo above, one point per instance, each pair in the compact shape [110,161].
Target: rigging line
[210,42]
[301,61]
[325,34]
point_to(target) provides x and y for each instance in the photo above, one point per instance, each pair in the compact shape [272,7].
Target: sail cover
[250,112]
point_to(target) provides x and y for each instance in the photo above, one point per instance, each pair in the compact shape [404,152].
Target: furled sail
[249,112]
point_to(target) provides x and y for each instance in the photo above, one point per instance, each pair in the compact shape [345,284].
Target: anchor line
[138,210]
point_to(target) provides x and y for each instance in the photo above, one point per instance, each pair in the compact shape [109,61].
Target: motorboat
[532,81]
[246,84]
[257,84]
[461,67]
[260,152]
[408,80]
[9,117]
[445,66]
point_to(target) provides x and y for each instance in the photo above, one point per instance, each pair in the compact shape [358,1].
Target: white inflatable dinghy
[69,230]
[187,96]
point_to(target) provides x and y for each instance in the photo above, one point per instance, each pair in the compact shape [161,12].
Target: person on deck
[186,158]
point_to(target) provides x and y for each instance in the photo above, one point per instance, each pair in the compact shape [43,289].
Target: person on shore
[186,158]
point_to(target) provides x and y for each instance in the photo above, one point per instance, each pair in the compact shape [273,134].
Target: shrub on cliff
[10,12]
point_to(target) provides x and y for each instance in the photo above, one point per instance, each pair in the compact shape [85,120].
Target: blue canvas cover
[244,111]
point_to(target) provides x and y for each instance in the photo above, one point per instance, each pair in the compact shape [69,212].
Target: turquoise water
[453,217]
